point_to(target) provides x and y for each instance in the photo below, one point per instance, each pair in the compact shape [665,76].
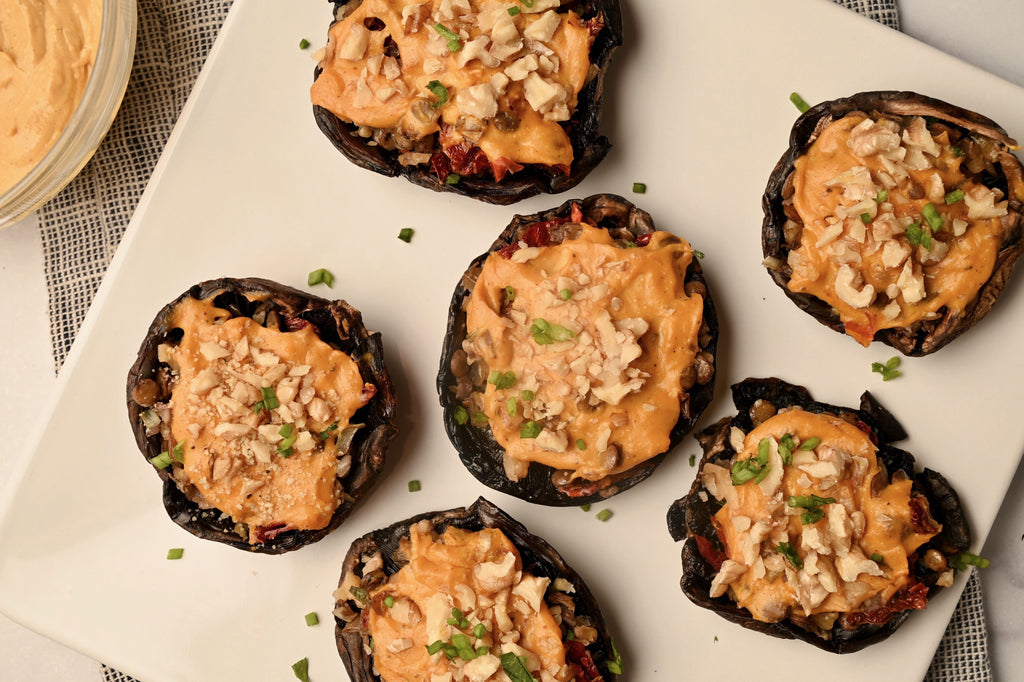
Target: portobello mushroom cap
[690,518]
[989,152]
[583,127]
[274,306]
[478,449]
[580,608]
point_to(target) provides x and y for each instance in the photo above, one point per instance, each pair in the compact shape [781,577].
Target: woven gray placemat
[83,225]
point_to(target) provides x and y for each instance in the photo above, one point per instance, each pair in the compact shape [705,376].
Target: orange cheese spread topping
[894,230]
[590,359]
[250,404]
[849,555]
[467,69]
[475,579]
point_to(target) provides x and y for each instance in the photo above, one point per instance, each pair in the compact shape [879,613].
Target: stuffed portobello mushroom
[805,522]
[266,412]
[491,99]
[467,594]
[580,349]
[894,217]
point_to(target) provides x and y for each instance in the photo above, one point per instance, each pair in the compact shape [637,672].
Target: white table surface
[986,33]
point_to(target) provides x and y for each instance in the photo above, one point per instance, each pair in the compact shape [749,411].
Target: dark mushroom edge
[583,127]
[478,449]
[989,151]
[578,608]
[690,518]
[272,305]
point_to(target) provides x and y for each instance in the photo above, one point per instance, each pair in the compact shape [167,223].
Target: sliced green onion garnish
[526,395]
[763,448]
[787,550]
[865,218]
[312,619]
[512,11]
[762,474]
[479,630]
[269,401]
[483,650]
[325,434]
[918,237]
[744,470]
[810,444]
[461,415]
[544,333]
[812,516]
[510,294]
[957,151]
[415,486]
[581,444]
[565,294]
[440,92]
[480,419]
[320,276]
[175,553]
[614,664]
[931,214]
[511,406]
[698,254]
[639,187]
[452,179]
[510,663]
[882,196]
[799,102]
[604,514]
[964,559]
[303,44]
[877,558]
[389,601]
[502,380]
[454,42]
[284,448]
[359,593]
[888,369]
[693,459]
[954,196]
[585,507]
[286,430]
[150,418]
[161,461]
[405,234]
[530,429]
[528,3]
[301,669]
[178,452]
[434,647]
[809,501]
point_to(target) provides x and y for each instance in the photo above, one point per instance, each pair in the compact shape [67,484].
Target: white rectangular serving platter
[697,107]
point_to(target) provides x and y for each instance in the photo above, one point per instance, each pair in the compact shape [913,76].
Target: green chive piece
[957,151]
[452,179]
[483,650]
[810,444]
[812,516]
[565,294]
[888,369]
[526,395]
[877,558]
[865,218]
[359,593]
[320,276]
[389,601]
[511,406]
[461,415]
[931,214]
[286,430]
[510,294]
[964,559]
[301,669]
[434,647]
[405,234]
[175,553]
[454,42]
[763,448]
[585,507]
[527,3]
[639,187]
[464,623]
[698,254]
[415,486]
[918,237]
[512,11]
[161,461]
[604,514]
[530,429]
[312,619]
[502,380]
[799,102]
[480,630]
[693,459]
[882,196]
[510,663]
[284,448]
[303,44]
[544,333]
[325,434]
[787,550]
[480,419]
[762,474]
[440,92]
[744,470]
[954,196]
[615,663]
[269,401]
[581,444]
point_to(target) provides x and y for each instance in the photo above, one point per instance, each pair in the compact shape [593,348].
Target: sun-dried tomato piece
[913,596]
